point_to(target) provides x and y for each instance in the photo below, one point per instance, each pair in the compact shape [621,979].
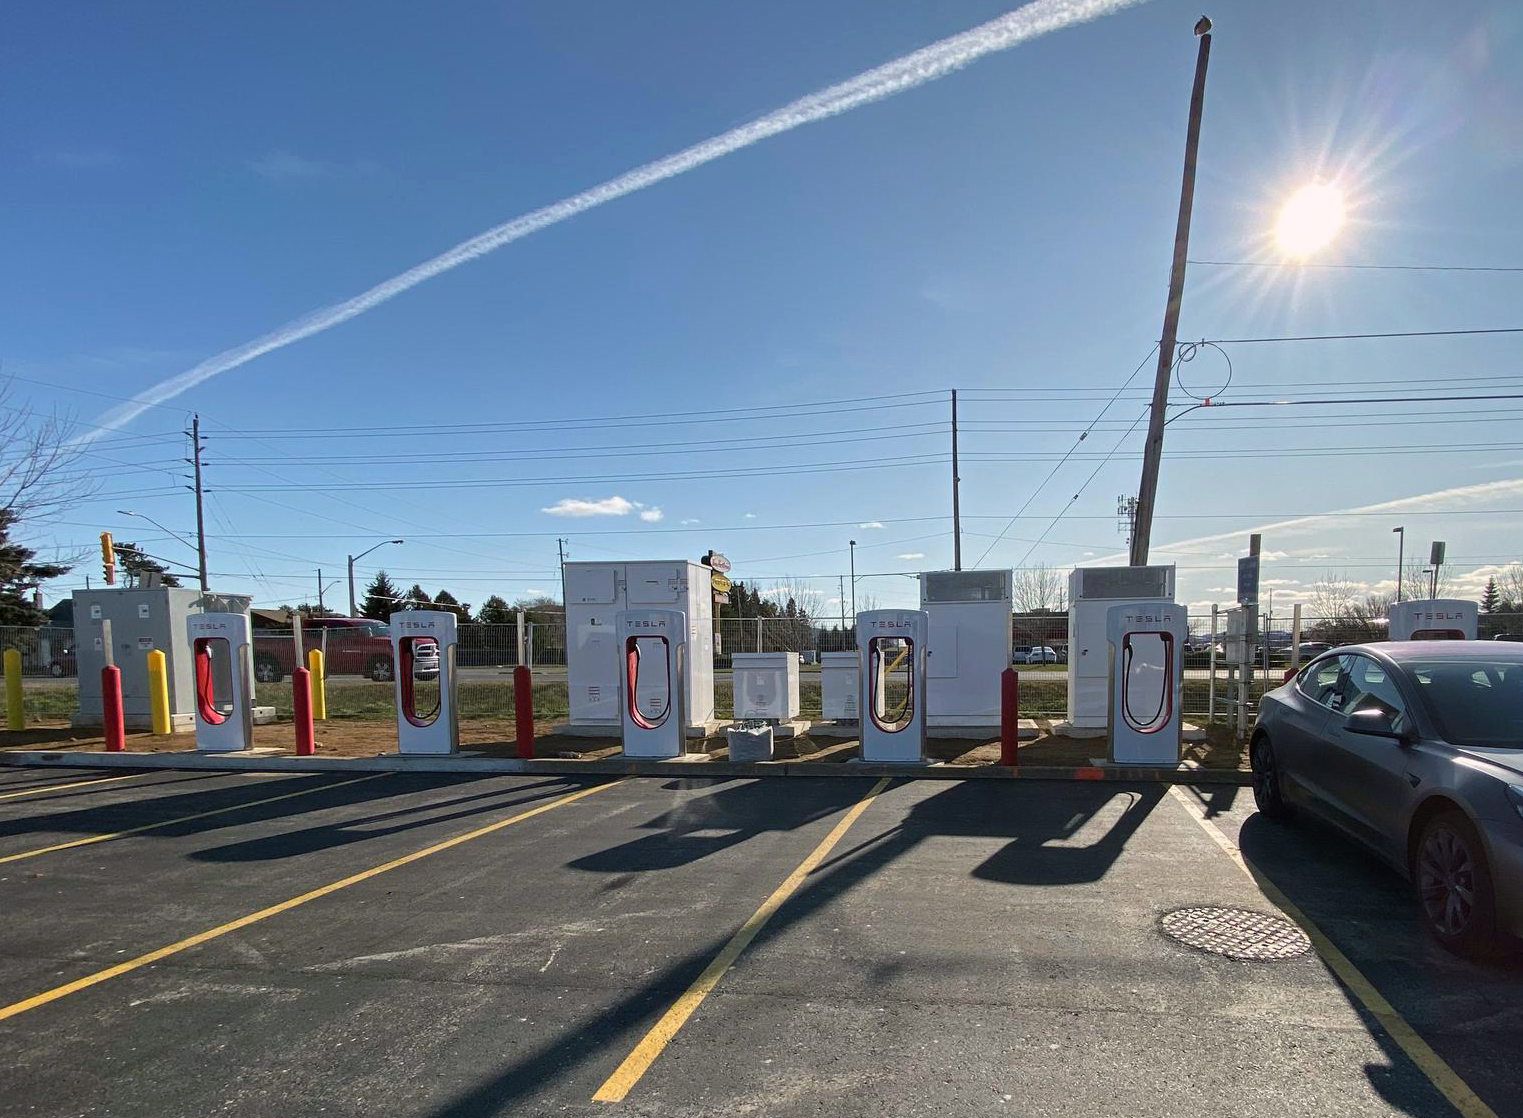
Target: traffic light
[108,558]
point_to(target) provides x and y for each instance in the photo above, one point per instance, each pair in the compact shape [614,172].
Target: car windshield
[374,629]
[1474,702]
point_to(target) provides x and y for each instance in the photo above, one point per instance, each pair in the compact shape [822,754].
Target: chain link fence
[359,667]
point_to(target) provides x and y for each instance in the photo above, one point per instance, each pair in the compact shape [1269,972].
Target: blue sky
[182,179]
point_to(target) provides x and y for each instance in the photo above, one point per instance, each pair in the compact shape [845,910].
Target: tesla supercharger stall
[1147,643]
[428,721]
[222,669]
[652,681]
[892,645]
[1433,619]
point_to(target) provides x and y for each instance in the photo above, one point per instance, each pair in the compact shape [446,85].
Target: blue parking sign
[1248,579]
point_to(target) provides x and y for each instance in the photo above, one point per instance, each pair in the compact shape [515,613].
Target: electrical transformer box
[595,594]
[766,685]
[969,644]
[1091,593]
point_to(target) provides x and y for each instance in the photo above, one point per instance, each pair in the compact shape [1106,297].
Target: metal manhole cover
[1237,933]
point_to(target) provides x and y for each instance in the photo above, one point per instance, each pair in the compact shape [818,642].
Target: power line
[1349,337]
[1354,267]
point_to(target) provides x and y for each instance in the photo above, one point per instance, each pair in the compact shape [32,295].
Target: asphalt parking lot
[431,945]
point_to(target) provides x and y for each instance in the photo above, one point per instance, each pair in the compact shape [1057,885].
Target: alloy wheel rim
[1263,773]
[1446,881]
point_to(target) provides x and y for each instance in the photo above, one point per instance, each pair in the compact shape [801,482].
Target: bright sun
[1310,219]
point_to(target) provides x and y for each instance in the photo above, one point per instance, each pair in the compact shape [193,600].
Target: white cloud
[652,514]
[871,524]
[749,516]
[778,592]
[912,555]
[581,506]
[78,159]
[689,520]
[285,168]
[1088,555]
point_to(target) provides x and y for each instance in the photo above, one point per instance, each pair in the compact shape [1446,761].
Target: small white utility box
[766,685]
[1433,619]
[838,686]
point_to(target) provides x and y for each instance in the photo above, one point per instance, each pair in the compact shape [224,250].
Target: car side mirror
[1376,722]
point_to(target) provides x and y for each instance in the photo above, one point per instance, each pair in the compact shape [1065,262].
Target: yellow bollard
[319,685]
[15,714]
[158,693]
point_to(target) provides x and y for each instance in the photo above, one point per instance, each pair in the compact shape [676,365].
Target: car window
[1366,685]
[1474,703]
[1319,682]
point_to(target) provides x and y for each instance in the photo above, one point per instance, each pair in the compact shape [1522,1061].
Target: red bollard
[111,708]
[523,710]
[1009,716]
[301,711]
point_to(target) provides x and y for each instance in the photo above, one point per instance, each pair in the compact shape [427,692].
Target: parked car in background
[355,646]
[64,664]
[1508,637]
[1415,749]
[1042,655]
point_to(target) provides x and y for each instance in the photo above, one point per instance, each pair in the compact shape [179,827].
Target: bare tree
[1510,583]
[1417,582]
[39,461]
[1332,595]
[1040,589]
[807,601]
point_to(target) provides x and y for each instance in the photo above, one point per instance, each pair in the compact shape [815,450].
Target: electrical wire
[1352,267]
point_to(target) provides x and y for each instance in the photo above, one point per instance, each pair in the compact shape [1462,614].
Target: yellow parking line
[93,839]
[627,1074]
[74,784]
[57,992]
[1429,1062]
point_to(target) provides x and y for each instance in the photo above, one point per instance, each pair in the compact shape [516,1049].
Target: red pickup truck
[355,646]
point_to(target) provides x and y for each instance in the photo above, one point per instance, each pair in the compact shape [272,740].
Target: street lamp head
[398,541]
[125,512]
[1203,26]
[852,542]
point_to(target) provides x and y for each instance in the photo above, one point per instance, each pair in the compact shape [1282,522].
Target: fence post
[1009,716]
[758,633]
[158,693]
[1211,680]
[523,711]
[15,712]
[319,673]
[519,619]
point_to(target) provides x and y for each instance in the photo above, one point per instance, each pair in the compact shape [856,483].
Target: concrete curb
[614,767]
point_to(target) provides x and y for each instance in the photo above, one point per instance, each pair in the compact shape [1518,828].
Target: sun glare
[1310,219]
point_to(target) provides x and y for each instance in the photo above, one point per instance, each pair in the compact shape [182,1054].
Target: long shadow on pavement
[1467,1012]
[970,808]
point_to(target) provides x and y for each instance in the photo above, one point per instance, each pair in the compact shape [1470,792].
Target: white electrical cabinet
[968,646]
[595,595]
[766,685]
[1091,593]
[838,686]
[1433,619]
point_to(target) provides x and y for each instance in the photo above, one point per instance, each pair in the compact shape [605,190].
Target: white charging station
[1433,619]
[893,725]
[1147,646]
[224,697]
[840,673]
[652,678]
[436,728]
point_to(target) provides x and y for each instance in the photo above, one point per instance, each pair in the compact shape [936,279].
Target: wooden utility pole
[1152,454]
[195,442]
[956,509]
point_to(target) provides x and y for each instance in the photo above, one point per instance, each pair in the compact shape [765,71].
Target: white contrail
[924,65]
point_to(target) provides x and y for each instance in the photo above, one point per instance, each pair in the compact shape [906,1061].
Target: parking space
[439,945]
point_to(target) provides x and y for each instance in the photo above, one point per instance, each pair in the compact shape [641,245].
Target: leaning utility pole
[956,513]
[560,547]
[195,461]
[1153,452]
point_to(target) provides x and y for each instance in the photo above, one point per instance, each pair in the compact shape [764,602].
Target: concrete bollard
[319,675]
[301,711]
[158,693]
[113,725]
[15,712]
[523,711]
[1009,716]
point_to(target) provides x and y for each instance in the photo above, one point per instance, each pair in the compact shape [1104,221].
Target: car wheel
[1453,885]
[55,669]
[1267,793]
[379,669]
[267,669]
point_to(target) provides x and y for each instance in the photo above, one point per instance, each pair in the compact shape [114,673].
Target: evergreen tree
[132,560]
[446,601]
[381,598]
[1492,598]
[495,611]
[416,598]
[19,574]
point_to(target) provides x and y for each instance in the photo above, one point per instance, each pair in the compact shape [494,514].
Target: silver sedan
[1414,748]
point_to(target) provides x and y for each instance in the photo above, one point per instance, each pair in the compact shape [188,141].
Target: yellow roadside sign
[720,583]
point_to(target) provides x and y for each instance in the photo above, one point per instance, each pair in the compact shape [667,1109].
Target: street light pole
[352,610]
[1152,454]
[1401,556]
